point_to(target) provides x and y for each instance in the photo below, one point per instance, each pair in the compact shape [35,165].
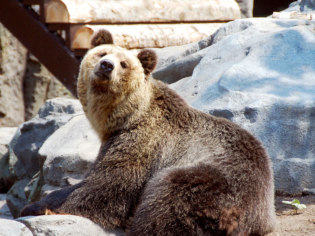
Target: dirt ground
[290,224]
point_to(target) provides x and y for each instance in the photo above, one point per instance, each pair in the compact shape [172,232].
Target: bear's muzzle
[105,68]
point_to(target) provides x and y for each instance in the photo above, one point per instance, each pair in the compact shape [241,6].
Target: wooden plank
[56,11]
[294,15]
[48,48]
[146,36]
[135,11]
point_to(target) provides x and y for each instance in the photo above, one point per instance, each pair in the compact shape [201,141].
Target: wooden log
[135,11]
[146,36]
[56,11]
[294,15]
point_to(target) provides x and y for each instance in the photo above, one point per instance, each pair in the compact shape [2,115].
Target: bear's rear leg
[185,201]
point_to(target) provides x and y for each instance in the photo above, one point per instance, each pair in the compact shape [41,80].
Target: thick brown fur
[163,168]
[148,60]
[102,37]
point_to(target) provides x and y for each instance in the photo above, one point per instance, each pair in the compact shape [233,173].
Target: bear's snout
[106,66]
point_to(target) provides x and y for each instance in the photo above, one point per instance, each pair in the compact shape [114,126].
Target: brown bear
[163,168]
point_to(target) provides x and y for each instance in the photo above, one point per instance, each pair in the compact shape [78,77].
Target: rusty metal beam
[30,2]
[47,47]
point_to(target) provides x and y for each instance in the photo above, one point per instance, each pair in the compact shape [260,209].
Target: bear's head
[112,77]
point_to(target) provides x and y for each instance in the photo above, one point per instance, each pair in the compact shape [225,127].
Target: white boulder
[69,152]
[12,227]
[260,74]
[60,225]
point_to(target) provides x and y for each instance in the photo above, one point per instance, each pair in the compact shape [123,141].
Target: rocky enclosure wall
[25,84]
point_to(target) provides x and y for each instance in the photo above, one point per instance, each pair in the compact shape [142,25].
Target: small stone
[4,209]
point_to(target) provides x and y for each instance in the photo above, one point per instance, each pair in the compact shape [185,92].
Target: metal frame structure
[47,46]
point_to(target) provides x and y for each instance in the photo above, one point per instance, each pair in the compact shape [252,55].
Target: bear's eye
[123,64]
[102,54]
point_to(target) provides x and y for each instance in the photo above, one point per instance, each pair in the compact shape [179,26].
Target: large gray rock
[68,153]
[14,228]
[4,209]
[12,67]
[54,225]
[53,150]
[39,85]
[16,198]
[6,135]
[6,177]
[32,134]
[175,63]
[302,6]
[24,157]
[260,74]
[60,225]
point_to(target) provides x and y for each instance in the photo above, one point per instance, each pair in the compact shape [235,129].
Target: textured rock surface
[6,177]
[246,7]
[24,83]
[14,228]
[32,134]
[60,225]
[69,153]
[4,209]
[260,74]
[53,225]
[302,6]
[16,198]
[28,140]
[12,67]
[175,63]
[39,85]
[6,135]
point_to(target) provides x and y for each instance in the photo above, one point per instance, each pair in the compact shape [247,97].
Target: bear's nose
[107,65]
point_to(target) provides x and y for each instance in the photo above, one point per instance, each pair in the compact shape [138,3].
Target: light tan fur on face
[106,103]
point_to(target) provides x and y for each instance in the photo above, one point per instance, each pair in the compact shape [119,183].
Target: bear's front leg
[50,203]
[108,196]
[111,191]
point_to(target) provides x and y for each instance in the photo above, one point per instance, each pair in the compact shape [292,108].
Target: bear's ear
[101,37]
[148,59]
